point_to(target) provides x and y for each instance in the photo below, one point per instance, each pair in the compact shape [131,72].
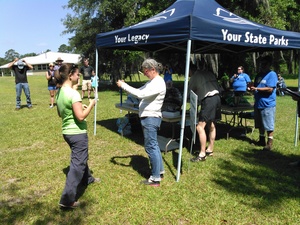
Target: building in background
[40,62]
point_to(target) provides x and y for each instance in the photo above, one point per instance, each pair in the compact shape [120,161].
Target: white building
[41,62]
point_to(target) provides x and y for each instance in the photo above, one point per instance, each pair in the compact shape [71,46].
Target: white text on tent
[254,39]
[135,38]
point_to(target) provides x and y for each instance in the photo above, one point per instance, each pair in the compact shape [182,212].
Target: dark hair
[62,74]
[266,59]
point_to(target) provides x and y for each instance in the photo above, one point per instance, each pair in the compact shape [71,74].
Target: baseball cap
[20,64]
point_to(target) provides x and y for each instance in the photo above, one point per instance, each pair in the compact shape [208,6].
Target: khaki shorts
[86,85]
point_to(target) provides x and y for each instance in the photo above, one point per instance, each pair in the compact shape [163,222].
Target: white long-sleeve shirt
[152,96]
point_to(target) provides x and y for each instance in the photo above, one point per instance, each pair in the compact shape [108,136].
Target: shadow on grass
[137,162]
[265,176]
[16,209]
[136,136]
[137,133]
[141,164]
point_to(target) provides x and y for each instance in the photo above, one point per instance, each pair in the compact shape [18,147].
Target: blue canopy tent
[197,26]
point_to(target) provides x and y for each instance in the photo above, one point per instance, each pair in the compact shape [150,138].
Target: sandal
[209,153]
[198,158]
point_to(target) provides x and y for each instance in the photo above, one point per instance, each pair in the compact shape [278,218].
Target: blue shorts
[51,88]
[265,118]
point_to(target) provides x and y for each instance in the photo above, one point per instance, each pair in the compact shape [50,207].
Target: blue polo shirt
[263,99]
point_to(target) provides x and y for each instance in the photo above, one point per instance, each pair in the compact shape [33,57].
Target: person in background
[205,85]
[74,130]
[240,83]
[167,71]
[51,83]
[95,80]
[265,101]
[20,68]
[152,96]
[87,72]
[280,85]
[58,63]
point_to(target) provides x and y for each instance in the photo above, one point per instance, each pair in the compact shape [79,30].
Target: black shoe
[297,164]
[72,206]
[198,159]
[261,142]
[162,176]
[209,153]
[151,183]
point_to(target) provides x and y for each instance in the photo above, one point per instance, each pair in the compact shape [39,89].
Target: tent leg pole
[96,94]
[186,80]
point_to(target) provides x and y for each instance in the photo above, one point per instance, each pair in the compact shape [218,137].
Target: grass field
[240,184]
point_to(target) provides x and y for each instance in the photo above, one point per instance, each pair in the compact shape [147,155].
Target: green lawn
[240,184]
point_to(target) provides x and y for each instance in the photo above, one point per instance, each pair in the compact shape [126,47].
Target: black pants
[79,171]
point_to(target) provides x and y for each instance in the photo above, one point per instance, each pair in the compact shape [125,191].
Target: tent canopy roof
[210,27]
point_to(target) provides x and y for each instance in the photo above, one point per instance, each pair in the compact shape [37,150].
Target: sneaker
[51,106]
[97,180]
[94,180]
[72,206]
[151,183]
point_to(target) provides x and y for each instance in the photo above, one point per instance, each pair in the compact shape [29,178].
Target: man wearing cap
[58,63]
[87,72]
[20,68]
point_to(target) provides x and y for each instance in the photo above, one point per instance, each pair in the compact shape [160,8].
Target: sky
[32,26]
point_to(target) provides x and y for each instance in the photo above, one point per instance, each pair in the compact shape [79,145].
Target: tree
[11,54]
[3,61]
[96,16]
[28,55]
[281,14]
[66,49]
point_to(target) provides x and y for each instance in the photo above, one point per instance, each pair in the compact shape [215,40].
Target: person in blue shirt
[265,102]
[168,76]
[240,83]
[280,85]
